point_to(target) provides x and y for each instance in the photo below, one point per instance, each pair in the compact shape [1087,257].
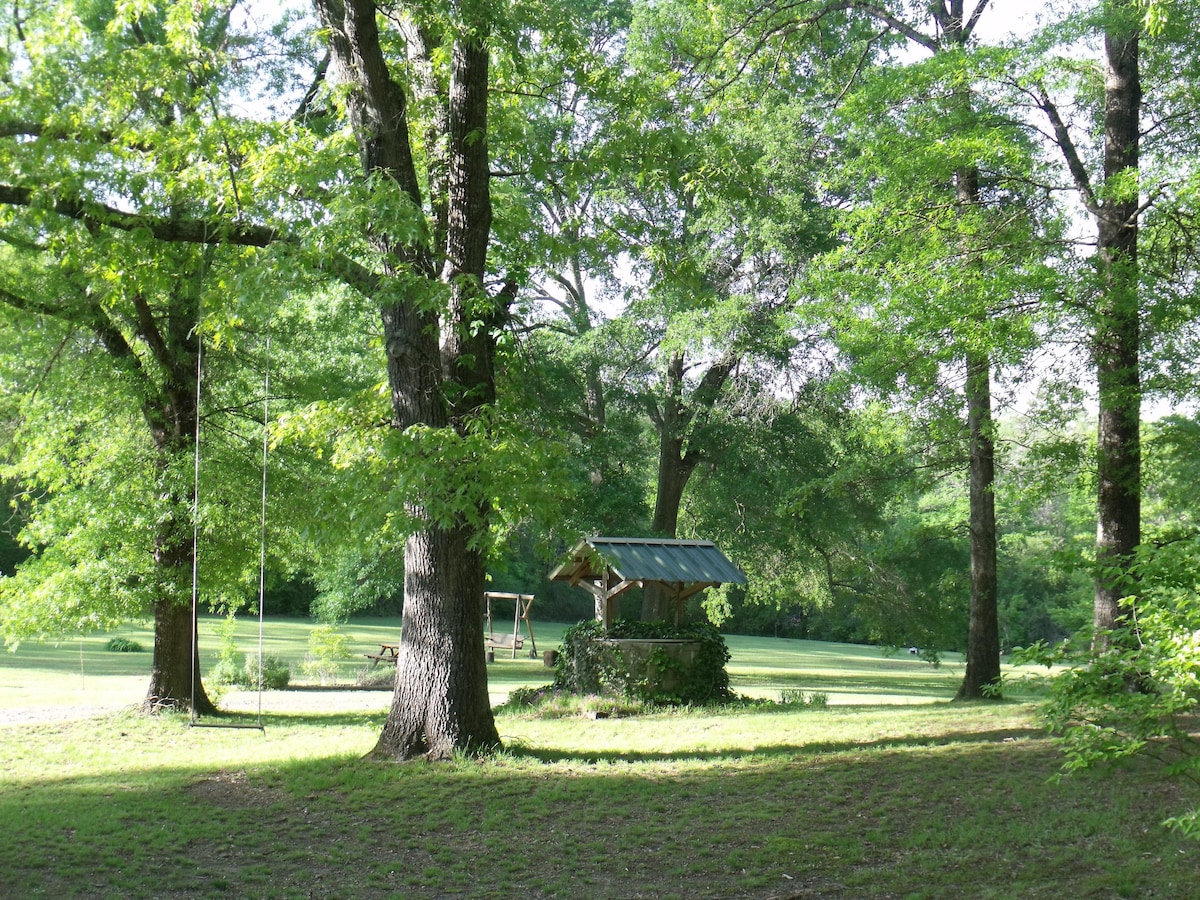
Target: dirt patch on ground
[234,790]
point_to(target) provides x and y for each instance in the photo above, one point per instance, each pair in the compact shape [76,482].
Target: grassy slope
[869,800]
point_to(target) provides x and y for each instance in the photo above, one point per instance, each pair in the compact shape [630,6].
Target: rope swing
[262,539]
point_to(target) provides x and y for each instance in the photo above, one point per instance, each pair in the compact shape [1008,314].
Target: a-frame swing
[495,640]
[193,721]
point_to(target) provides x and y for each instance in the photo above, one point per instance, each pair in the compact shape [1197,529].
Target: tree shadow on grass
[759,824]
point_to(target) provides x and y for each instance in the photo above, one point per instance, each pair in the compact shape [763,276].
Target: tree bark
[1117,337]
[674,471]
[982,678]
[176,662]
[438,706]
[175,678]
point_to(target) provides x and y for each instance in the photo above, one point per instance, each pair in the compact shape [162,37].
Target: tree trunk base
[176,665]
[440,707]
[973,688]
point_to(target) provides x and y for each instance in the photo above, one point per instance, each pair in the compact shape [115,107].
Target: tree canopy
[836,284]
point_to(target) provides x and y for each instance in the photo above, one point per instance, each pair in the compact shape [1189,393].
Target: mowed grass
[899,793]
[80,673]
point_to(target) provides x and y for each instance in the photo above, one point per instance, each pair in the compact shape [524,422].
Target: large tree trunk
[440,703]
[175,671]
[176,665]
[438,706]
[982,678]
[1116,339]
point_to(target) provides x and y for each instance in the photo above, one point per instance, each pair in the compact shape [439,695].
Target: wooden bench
[387,654]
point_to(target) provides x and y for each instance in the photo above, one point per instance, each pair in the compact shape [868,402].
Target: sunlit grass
[80,673]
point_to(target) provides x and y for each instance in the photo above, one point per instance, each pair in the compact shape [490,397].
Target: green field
[890,791]
[81,673]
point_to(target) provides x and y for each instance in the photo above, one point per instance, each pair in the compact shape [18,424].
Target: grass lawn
[890,791]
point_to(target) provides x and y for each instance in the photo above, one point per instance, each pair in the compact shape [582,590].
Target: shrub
[549,702]
[230,661]
[1138,696]
[123,645]
[276,673]
[797,697]
[327,648]
[242,671]
[229,670]
[375,676]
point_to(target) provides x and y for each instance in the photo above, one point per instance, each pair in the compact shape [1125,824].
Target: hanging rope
[196,526]
[262,540]
[262,521]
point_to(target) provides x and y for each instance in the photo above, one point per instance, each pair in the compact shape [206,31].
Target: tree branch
[1062,137]
[305,109]
[186,231]
[969,29]
[883,15]
[10,128]
[189,231]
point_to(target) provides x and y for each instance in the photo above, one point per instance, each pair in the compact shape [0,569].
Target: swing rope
[262,519]
[262,540]
[196,527]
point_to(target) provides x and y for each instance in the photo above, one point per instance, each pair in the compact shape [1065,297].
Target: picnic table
[387,654]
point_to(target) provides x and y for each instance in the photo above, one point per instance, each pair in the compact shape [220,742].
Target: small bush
[239,670]
[327,649]
[276,673]
[229,670]
[123,645]
[527,697]
[549,702]
[796,697]
[373,676]
[230,661]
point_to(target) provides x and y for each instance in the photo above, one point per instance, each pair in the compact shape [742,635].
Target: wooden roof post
[602,600]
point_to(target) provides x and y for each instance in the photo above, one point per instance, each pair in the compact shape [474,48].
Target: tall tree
[681,224]
[1124,159]
[1112,198]
[977,160]
[419,253]
[982,675]
[440,703]
[110,290]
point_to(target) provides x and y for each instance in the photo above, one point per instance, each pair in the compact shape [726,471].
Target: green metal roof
[648,559]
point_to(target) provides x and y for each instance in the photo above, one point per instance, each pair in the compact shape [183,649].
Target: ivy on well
[590,663]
